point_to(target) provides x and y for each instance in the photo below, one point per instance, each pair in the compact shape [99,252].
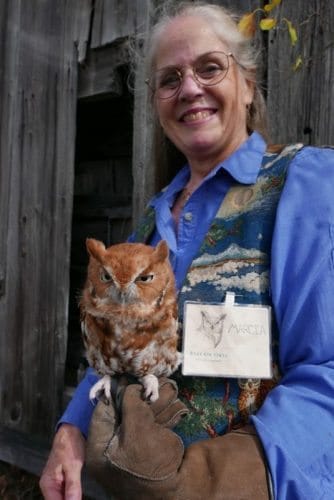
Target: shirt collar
[243,165]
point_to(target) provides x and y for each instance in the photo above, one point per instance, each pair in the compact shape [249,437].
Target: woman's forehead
[184,39]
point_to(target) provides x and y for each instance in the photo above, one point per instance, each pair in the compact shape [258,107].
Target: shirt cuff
[80,409]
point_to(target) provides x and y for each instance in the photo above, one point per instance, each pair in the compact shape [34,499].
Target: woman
[263,220]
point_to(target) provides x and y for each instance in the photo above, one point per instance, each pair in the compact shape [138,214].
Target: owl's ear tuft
[162,250]
[95,248]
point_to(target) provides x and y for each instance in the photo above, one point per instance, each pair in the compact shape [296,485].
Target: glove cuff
[249,429]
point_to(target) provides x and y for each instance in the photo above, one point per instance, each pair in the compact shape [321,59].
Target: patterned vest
[234,256]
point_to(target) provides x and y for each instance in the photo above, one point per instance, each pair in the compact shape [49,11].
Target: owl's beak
[124,295]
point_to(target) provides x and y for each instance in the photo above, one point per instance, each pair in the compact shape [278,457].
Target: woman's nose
[190,87]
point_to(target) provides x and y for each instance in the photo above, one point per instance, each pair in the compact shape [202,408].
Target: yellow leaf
[292,32]
[271,5]
[268,23]
[298,63]
[247,25]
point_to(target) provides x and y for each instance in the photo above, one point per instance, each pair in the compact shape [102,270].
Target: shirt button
[188,216]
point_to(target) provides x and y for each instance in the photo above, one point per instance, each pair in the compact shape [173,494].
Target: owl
[128,312]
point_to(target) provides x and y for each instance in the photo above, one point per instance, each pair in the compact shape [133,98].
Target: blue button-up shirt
[296,421]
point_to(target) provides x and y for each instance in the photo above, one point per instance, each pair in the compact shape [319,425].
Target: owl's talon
[101,390]
[151,387]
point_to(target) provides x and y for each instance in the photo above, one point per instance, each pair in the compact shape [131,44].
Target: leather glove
[139,457]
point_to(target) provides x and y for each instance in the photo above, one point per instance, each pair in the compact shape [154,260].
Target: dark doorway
[102,198]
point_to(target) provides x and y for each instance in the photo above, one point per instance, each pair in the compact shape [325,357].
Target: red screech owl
[129,314]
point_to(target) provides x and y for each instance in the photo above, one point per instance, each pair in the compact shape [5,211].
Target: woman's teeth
[199,115]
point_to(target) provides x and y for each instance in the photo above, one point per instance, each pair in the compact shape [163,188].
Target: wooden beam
[38,107]
[98,75]
[301,99]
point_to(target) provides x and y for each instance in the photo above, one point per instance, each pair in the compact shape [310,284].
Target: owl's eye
[145,278]
[105,276]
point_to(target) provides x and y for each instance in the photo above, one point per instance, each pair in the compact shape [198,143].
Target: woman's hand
[136,455]
[61,478]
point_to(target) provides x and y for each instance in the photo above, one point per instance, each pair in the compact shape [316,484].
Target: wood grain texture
[301,102]
[38,108]
[115,19]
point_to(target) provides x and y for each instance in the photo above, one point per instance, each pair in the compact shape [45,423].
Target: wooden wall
[40,47]
[301,103]
[38,82]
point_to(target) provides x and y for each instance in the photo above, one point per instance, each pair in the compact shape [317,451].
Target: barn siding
[38,107]
[115,19]
[142,165]
[301,102]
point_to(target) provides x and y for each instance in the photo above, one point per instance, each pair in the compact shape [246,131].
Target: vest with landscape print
[234,256]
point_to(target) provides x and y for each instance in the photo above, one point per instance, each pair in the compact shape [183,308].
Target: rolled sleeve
[80,409]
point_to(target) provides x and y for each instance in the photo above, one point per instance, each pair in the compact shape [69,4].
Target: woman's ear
[247,79]
[249,92]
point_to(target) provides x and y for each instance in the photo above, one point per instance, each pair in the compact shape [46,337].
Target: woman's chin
[200,147]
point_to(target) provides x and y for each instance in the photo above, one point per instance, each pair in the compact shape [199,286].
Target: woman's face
[206,123]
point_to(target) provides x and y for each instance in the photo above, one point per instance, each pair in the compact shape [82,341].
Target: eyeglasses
[209,69]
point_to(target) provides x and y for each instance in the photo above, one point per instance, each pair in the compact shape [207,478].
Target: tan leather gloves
[138,457]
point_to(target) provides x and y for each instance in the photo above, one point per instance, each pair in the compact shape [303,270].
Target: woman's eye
[209,70]
[105,276]
[170,80]
[145,278]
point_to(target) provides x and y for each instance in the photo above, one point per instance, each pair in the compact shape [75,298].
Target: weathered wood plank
[38,108]
[143,168]
[98,75]
[8,61]
[301,102]
[78,23]
[114,19]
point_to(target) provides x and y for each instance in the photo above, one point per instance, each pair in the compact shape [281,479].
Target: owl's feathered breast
[129,318]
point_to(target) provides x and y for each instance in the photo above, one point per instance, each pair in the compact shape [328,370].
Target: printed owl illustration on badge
[212,327]
[128,313]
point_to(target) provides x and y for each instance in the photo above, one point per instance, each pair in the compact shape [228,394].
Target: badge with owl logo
[227,339]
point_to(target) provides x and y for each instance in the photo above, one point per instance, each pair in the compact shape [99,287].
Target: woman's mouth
[193,116]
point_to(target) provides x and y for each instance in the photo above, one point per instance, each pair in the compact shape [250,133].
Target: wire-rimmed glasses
[208,70]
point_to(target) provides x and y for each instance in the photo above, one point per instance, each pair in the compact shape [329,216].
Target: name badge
[227,339]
